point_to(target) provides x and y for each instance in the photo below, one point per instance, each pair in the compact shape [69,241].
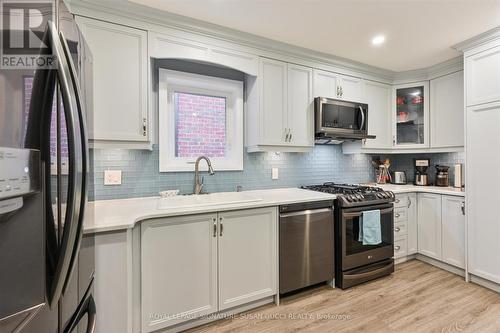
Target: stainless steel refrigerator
[46,260]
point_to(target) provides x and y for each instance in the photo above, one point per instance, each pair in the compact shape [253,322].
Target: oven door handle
[357,214]
[362,117]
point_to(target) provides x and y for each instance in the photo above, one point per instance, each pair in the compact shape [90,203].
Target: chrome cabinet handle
[397,247]
[338,91]
[397,215]
[215,228]
[287,135]
[409,202]
[221,227]
[144,127]
[290,139]
[397,229]
[397,201]
[462,206]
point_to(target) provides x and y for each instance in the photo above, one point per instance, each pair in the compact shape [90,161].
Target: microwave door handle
[65,261]
[362,117]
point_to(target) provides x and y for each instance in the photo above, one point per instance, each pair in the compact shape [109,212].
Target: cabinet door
[483,198]
[178,270]
[411,115]
[378,98]
[120,80]
[273,110]
[412,223]
[447,111]
[429,225]
[300,106]
[483,77]
[351,89]
[247,256]
[453,231]
[325,84]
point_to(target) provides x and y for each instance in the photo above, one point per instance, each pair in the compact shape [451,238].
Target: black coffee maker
[442,177]
[421,167]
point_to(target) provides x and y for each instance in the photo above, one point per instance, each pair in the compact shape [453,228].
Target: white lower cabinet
[405,225]
[453,230]
[178,270]
[429,225]
[441,228]
[247,256]
[200,264]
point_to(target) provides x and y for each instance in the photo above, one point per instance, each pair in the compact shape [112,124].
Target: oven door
[354,253]
[340,118]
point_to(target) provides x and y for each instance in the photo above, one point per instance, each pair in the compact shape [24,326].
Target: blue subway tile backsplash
[141,176]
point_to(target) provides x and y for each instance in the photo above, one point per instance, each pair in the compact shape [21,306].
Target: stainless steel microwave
[338,119]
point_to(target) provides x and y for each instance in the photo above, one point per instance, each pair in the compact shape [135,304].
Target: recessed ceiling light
[378,40]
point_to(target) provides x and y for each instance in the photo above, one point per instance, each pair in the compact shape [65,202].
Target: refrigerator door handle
[76,177]
[86,307]
[83,153]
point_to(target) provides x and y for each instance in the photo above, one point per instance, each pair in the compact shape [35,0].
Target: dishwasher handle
[307,212]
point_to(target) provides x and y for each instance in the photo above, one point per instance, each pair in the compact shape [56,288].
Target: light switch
[112,177]
[275,174]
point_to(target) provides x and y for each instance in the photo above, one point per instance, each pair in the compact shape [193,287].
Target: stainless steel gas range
[356,262]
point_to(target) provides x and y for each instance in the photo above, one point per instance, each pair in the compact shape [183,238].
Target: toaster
[399,177]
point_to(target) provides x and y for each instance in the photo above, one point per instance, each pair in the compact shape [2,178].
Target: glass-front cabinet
[411,115]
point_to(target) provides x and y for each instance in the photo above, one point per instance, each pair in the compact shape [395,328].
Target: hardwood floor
[418,297]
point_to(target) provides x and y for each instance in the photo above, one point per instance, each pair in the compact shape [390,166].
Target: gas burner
[354,195]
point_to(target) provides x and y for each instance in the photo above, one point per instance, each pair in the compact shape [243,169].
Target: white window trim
[171,81]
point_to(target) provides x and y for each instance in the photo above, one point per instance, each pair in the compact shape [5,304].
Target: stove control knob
[359,197]
[347,198]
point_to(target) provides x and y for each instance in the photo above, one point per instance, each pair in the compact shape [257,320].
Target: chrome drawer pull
[397,201]
[397,247]
[397,229]
[397,215]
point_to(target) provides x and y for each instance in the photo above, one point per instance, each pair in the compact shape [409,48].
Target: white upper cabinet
[351,88]
[168,46]
[120,82]
[378,98]
[453,230]
[325,84]
[447,111]
[280,108]
[300,106]
[411,115]
[247,256]
[273,102]
[336,86]
[429,225]
[483,77]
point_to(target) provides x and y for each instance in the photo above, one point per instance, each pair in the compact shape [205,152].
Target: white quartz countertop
[121,214]
[420,189]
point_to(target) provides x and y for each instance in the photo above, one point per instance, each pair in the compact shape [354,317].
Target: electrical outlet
[275,174]
[112,177]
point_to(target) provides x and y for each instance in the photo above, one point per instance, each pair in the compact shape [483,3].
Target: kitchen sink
[212,199]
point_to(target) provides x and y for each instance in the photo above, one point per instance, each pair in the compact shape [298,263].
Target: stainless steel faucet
[198,182]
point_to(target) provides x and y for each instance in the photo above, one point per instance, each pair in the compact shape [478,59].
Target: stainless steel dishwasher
[306,245]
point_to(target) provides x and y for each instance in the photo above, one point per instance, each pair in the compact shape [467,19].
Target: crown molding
[481,39]
[147,18]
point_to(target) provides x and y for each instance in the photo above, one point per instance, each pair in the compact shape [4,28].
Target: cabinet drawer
[400,229]
[400,215]
[402,200]
[400,247]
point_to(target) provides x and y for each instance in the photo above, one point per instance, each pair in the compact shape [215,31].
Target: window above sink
[199,115]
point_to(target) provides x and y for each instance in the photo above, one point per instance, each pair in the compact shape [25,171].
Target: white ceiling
[419,33]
